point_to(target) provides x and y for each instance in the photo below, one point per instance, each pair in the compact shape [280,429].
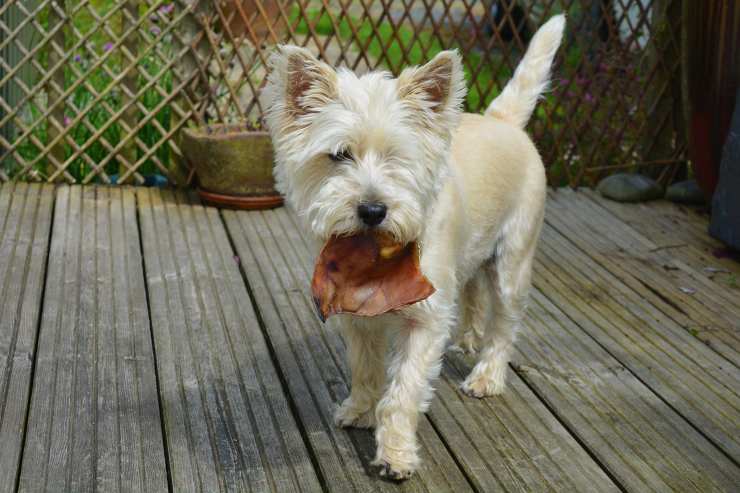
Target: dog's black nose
[372,213]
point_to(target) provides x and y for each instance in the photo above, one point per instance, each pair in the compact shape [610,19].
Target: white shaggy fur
[516,102]
[469,188]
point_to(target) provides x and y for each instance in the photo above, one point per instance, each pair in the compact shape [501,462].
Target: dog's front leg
[414,362]
[365,351]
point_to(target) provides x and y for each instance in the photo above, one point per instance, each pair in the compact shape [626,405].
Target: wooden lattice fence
[97,90]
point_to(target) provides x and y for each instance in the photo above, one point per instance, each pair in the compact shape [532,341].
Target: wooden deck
[148,343]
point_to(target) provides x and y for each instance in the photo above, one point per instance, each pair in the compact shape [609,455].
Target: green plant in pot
[233,164]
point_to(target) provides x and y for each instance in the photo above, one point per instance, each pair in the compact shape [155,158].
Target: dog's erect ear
[439,85]
[298,81]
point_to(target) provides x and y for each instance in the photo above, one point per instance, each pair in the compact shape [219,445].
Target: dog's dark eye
[343,155]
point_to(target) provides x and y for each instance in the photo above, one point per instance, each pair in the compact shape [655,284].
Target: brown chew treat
[367,275]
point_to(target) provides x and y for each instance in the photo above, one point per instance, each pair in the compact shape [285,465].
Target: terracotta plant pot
[233,166]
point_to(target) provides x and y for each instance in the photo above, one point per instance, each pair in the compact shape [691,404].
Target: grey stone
[625,187]
[685,192]
[725,223]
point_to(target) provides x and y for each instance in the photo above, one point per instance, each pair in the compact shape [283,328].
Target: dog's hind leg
[509,280]
[366,352]
[475,313]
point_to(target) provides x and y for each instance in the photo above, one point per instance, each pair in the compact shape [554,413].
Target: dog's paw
[388,471]
[397,464]
[348,415]
[480,386]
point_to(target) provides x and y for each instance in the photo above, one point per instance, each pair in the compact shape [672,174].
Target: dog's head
[354,153]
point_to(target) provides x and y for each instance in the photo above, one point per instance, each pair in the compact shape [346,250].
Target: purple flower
[67,121]
[581,81]
[155,30]
[77,58]
[564,82]
[108,46]
[167,8]
[589,97]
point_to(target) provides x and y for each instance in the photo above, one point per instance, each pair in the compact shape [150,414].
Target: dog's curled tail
[516,102]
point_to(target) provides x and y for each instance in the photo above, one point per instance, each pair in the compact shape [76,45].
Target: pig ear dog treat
[368,275]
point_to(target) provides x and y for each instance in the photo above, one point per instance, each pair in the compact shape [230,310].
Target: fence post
[128,118]
[664,50]
[56,84]
[10,92]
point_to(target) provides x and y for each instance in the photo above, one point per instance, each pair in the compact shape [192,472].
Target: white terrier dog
[354,153]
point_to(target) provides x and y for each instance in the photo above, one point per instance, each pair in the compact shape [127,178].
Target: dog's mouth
[367,274]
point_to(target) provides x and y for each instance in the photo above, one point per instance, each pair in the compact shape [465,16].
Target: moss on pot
[231,159]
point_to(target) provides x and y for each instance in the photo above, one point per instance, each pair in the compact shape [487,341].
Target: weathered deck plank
[705,309]
[94,417]
[25,221]
[688,284]
[514,443]
[679,229]
[611,306]
[681,232]
[227,422]
[644,443]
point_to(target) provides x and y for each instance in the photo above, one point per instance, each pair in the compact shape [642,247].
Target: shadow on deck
[148,343]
